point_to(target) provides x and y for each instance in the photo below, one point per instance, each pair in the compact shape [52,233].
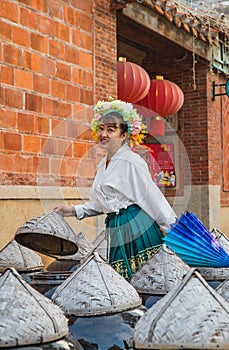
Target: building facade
[58,58]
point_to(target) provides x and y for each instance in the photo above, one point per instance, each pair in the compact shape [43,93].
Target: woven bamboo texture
[217,273]
[223,289]
[191,316]
[95,288]
[48,234]
[86,247]
[221,239]
[26,316]
[19,257]
[160,273]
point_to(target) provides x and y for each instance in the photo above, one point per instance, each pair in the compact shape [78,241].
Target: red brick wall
[224,108]
[55,59]
[105,51]
[203,123]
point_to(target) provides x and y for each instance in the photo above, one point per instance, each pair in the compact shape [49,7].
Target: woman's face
[110,137]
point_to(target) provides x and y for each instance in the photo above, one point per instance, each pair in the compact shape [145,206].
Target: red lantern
[157,127]
[133,81]
[164,97]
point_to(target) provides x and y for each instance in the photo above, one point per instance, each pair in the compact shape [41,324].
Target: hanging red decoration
[164,97]
[133,81]
[157,127]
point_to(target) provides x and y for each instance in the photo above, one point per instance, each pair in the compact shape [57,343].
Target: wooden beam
[146,17]
[142,38]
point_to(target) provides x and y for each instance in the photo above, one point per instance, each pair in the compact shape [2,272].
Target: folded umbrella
[194,244]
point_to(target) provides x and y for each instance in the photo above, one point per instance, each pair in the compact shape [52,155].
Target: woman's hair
[116,119]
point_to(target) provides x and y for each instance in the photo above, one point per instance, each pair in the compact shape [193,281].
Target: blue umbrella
[194,244]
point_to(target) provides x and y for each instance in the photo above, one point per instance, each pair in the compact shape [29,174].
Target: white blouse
[126,181]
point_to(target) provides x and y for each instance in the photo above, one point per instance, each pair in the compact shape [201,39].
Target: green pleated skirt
[134,238]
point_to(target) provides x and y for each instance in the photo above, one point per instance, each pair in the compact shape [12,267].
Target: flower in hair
[136,128]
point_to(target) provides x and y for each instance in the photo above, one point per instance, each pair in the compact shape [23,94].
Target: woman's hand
[65,210]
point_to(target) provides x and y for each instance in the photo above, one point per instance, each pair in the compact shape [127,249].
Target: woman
[124,190]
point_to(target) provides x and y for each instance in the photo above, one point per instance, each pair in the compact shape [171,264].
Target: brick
[56,108]
[47,26]
[28,18]
[33,103]
[56,49]
[72,54]
[5,30]
[49,146]
[58,88]
[62,31]
[7,75]
[72,129]
[59,127]
[12,55]
[7,162]
[86,168]
[85,6]
[20,36]
[13,98]
[63,71]
[70,16]
[72,93]
[79,4]
[2,95]
[40,5]
[64,148]
[32,144]
[47,66]
[56,10]
[85,59]
[82,77]
[80,149]
[12,141]
[25,122]
[32,61]
[23,79]
[23,163]
[69,168]
[9,11]
[85,22]
[42,125]
[41,84]
[86,97]
[41,165]
[81,39]
[85,134]
[55,165]
[39,43]
[1,141]
[8,119]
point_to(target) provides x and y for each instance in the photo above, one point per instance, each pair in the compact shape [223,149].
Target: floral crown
[136,128]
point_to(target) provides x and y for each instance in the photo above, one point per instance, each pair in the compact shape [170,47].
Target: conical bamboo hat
[26,316]
[19,257]
[160,273]
[95,288]
[49,234]
[191,316]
